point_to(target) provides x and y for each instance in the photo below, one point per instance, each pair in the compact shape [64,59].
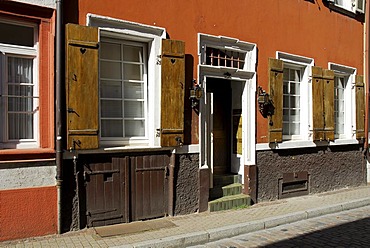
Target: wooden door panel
[150,191]
[105,193]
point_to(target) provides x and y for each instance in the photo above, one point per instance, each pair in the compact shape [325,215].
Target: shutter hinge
[178,141]
[159,60]
[158,132]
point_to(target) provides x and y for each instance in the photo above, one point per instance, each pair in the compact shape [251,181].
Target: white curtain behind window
[20,98]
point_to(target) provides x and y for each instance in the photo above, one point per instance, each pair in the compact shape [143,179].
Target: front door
[221,128]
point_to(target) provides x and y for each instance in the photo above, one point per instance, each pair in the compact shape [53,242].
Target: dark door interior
[221,90]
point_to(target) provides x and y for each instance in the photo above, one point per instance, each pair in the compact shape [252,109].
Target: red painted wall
[295,26]
[28,212]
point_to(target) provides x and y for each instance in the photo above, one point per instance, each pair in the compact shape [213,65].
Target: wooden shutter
[360,107]
[276,68]
[318,104]
[328,85]
[173,84]
[82,87]
[322,104]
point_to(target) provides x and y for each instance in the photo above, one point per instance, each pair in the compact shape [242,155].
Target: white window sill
[303,144]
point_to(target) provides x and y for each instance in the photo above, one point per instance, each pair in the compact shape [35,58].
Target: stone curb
[196,238]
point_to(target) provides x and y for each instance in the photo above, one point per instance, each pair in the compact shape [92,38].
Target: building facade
[28,194]
[189,106]
[180,94]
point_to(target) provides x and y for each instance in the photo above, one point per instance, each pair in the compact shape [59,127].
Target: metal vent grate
[294,184]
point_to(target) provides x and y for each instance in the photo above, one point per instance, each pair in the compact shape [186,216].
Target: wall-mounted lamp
[195,94]
[265,104]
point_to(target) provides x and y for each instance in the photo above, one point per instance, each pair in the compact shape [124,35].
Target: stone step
[229,202]
[223,180]
[232,189]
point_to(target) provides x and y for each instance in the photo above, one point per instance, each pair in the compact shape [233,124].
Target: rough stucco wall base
[28,212]
[186,184]
[329,168]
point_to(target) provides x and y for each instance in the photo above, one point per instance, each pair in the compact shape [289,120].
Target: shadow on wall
[70,11]
[188,118]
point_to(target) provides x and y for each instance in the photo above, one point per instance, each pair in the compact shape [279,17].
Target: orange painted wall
[295,26]
[28,212]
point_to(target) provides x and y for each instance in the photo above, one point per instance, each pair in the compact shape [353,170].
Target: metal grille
[226,58]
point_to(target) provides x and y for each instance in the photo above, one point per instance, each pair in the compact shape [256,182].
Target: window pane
[21,98]
[294,128]
[286,103]
[111,108]
[285,88]
[294,88]
[133,54]
[20,70]
[110,51]
[134,90]
[111,128]
[132,72]
[111,70]
[294,115]
[286,74]
[294,102]
[16,35]
[285,128]
[135,128]
[110,89]
[20,126]
[134,109]
[285,114]
[19,102]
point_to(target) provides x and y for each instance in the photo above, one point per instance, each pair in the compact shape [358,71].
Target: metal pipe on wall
[171,184]
[58,108]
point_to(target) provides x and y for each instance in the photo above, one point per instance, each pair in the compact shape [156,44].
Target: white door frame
[248,119]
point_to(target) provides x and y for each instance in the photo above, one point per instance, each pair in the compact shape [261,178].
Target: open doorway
[220,89]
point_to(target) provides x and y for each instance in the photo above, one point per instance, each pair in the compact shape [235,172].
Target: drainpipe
[367,76]
[171,184]
[58,110]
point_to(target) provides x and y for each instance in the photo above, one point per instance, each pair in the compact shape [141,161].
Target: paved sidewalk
[205,227]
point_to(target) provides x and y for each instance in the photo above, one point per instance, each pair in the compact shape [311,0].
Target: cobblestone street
[346,229]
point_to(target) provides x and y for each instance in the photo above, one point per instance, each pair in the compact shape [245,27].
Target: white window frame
[152,36]
[25,52]
[350,102]
[350,5]
[305,64]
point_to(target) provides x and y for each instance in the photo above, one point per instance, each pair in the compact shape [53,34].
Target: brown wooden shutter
[276,68]
[173,84]
[328,85]
[360,107]
[82,86]
[318,104]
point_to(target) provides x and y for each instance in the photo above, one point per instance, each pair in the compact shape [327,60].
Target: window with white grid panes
[19,87]
[344,101]
[292,78]
[20,98]
[123,89]
[339,104]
